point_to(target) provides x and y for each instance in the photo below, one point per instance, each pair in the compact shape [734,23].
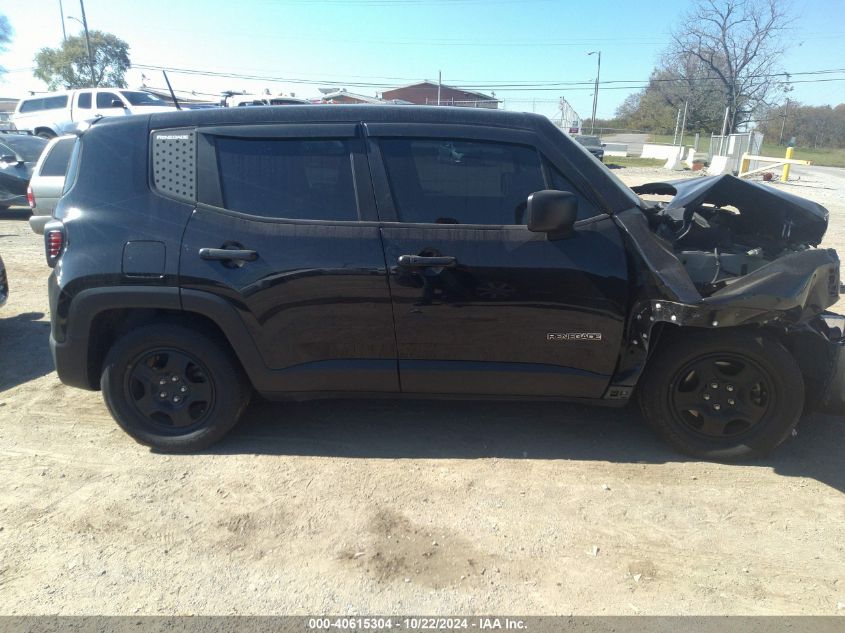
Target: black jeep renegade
[392,251]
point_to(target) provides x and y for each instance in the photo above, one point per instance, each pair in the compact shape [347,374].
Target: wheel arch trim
[72,355]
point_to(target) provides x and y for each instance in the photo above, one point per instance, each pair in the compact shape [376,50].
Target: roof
[486,97]
[347,113]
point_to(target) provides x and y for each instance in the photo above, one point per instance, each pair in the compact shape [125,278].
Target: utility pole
[596,91]
[439,85]
[62,15]
[683,125]
[783,122]
[87,41]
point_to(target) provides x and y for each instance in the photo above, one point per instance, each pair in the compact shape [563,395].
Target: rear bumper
[37,222]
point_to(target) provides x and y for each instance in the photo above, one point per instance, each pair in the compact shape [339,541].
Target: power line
[518,86]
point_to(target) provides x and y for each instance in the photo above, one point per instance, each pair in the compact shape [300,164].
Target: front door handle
[228,254]
[417,261]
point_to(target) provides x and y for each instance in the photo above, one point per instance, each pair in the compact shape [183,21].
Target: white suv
[52,114]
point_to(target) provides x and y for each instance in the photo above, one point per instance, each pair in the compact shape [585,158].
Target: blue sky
[394,42]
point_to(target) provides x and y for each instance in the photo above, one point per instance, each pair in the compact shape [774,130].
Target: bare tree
[740,44]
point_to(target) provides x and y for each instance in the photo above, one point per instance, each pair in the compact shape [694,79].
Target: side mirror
[117,103]
[552,212]
[9,158]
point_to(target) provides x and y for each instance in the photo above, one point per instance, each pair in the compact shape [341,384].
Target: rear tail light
[54,243]
[30,197]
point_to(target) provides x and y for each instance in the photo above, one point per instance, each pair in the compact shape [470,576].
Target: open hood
[763,209]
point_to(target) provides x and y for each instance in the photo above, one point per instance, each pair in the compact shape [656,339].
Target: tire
[173,388]
[757,400]
[45,134]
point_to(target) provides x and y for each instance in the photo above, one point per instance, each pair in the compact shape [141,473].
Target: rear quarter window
[43,103]
[56,162]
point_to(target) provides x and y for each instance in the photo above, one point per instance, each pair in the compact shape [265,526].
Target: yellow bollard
[785,175]
[744,165]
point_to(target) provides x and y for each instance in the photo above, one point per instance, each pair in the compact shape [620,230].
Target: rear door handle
[417,261]
[228,254]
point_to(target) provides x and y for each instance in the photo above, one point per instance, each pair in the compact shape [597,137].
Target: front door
[309,281]
[481,304]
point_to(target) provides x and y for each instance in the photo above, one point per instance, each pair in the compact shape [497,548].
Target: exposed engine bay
[722,228]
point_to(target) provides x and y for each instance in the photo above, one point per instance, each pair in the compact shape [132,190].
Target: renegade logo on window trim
[573,336]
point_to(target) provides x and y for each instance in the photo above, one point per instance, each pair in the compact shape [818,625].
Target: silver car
[48,181]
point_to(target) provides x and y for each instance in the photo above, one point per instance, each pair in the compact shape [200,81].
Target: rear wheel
[722,395]
[47,134]
[172,388]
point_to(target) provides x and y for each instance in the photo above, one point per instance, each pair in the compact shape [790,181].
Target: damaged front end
[725,252]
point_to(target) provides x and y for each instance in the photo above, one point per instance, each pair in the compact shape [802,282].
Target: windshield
[29,148]
[138,98]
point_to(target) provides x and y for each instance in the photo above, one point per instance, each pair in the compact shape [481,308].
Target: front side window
[448,181]
[140,98]
[84,100]
[104,100]
[307,179]
[586,209]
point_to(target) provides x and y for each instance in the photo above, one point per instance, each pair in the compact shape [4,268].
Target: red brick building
[425,93]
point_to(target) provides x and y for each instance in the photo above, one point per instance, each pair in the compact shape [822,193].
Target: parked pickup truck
[52,114]
[419,252]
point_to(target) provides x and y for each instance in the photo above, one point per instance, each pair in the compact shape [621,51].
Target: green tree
[69,65]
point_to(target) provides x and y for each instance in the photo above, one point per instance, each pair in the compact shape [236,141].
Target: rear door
[482,305]
[315,299]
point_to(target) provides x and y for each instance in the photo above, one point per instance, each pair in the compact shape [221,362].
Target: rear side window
[461,182]
[84,100]
[56,162]
[308,179]
[43,103]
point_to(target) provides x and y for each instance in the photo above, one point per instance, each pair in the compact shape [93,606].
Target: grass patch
[823,156]
[633,161]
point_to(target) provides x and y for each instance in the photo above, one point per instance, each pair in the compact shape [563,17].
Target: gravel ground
[410,507]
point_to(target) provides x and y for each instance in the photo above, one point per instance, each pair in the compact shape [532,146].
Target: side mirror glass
[9,158]
[552,212]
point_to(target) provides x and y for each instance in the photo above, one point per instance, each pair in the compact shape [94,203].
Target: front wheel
[172,388]
[722,395]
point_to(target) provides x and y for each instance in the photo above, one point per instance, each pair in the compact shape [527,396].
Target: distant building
[8,104]
[425,93]
[346,97]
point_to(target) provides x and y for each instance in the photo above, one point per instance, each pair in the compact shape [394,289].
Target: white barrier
[663,152]
[719,165]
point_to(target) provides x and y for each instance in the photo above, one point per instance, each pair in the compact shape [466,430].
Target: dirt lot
[381,507]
